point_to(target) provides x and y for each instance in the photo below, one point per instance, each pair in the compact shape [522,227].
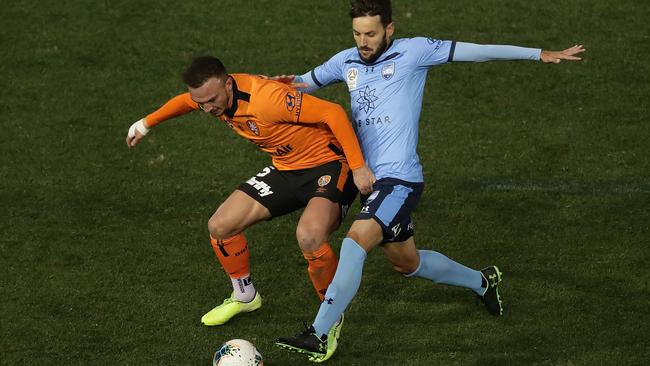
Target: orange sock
[233,255]
[321,268]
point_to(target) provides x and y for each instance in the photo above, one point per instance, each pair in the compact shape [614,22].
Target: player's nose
[364,41]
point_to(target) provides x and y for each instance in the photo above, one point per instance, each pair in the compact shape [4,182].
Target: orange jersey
[298,130]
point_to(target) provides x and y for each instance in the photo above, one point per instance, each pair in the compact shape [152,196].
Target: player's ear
[390,29]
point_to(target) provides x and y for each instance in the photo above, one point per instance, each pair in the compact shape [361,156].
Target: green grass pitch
[543,170]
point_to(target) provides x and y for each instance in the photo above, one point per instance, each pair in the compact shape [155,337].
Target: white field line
[565,187]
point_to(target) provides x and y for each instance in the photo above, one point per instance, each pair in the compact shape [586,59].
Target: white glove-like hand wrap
[140,126]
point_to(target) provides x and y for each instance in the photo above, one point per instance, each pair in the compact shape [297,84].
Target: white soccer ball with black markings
[237,352]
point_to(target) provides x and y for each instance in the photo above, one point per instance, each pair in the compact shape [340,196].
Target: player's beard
[380,50]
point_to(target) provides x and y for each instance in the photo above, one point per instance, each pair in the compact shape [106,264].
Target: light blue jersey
[386,100]
[386,96]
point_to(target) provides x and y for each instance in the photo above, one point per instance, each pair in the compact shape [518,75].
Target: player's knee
[355,235]
[310,237]
[220,228]
[405,263]
[365,240]
[405,268]
[367,233]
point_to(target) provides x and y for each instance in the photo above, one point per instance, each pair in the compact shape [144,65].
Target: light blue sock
[343,287]
[440,269]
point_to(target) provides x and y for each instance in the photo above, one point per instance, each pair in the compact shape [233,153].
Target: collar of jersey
[236,96]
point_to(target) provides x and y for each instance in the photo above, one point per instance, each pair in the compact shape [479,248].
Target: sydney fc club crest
[372,197]
[388,70]
[253,127]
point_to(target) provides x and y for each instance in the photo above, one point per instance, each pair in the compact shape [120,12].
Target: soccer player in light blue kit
[386,80]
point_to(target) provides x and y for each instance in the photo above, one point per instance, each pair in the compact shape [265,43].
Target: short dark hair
[362,8]
[201,69]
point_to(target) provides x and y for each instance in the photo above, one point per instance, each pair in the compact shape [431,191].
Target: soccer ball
[237,352]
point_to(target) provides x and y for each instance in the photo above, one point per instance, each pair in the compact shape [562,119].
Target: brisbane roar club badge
[253,127]
[323,181]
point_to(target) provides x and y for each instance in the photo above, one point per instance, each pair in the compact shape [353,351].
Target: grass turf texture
[541,169]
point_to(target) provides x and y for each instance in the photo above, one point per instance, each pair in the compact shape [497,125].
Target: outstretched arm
[176,106]
[470,52]
[557,56]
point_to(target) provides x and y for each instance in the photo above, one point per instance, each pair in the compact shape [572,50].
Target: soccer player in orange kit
[317,165]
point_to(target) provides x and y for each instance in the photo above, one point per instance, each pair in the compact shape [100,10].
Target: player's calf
[321,266]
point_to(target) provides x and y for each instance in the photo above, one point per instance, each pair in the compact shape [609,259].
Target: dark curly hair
[361,8]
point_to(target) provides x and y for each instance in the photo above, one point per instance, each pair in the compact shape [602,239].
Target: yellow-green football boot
[491,298]
[230,307]
[318,349]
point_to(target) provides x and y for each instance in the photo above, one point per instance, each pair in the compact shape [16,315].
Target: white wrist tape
[140,127]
